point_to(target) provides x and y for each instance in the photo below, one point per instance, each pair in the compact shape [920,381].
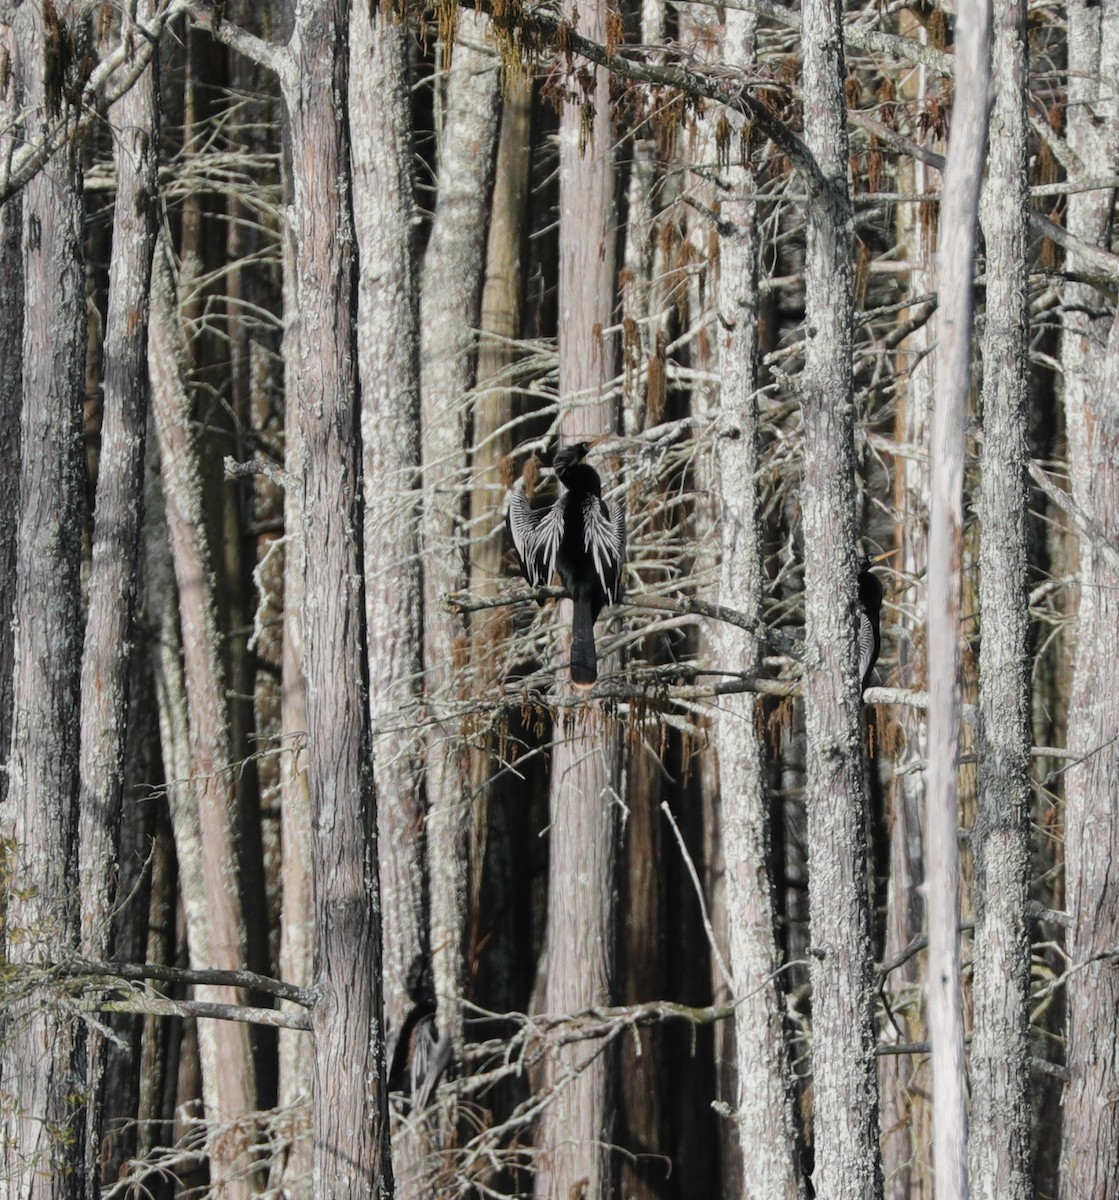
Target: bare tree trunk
[573,1136]
[41,1141]
[844,1083]
[492,439]
[11,387]
[296,1049]
[451,293]
[107,662]
[351,1155]
[959,212]
[216,933]
[763,1106]
[1000,1129]
[388,367]
[1090,1127]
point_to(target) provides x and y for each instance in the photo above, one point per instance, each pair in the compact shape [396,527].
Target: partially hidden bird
[870,615]
[579,537]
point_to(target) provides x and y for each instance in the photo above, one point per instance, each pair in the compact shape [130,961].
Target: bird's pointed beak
[877,558]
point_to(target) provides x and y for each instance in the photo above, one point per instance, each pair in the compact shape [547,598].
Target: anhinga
[579,537]
[870,613]
[418,1055]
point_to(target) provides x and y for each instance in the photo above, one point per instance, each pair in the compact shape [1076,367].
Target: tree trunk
[388,368]
[11,386]
[215,928]
[763,1105]
[959,212]
[350,1116]
[107,662]
[1000,1128]
[41,1141]
[451,293]
[1090,1127]
[573,1135]
[845,1127]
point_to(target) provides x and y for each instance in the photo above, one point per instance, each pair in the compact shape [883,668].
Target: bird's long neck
[581,480]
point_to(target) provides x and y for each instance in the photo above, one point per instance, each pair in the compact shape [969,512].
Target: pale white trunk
[955,263]
[1090,1127]
[451,295]
[1000,1127]
[573,1135]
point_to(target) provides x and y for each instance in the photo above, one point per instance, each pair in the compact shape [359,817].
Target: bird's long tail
[584,665]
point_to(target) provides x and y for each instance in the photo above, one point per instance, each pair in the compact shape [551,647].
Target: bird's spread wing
[605,539]
[536,534]
[866,644]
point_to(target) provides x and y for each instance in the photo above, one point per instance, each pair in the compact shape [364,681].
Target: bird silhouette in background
[417,1054]
[870,614]
[580,538]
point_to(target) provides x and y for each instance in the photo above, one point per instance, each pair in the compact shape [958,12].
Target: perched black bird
[579,537]
[870,612]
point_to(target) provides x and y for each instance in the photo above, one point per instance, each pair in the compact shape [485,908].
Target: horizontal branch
[161,1006]
[249,980]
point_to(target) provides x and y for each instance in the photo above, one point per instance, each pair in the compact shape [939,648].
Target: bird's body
[580,539]
[870,613]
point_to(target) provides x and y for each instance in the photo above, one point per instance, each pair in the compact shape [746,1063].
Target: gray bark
[296,1050]
[41,1143]
[764,1111]
[107,661]
[573,1134]
[350,1117]
[215,926]
[959,213]
[388,367]
[844,1081]
[389,373]
[1000,1128]
[1090,358]
[451,293]
[11,388]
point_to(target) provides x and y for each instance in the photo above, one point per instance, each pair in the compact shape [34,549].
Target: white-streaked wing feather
[601,538]
[866,644]
[523,521]
[546,540]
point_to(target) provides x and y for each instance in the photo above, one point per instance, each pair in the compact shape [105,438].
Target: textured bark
[216,934]
[1090,358]
[764,1112]
[845,1128]
[573,1134]
[350,1116]
[389,372]
[296,1050]
[11,368]
[451,292]
[41,1142]
[107,661]
[959,213]
[388,367]
[1000,1128]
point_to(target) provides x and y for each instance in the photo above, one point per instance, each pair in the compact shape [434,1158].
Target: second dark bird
[870,616]
[580,538]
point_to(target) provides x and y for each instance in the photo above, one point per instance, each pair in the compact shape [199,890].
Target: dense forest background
[318,876]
